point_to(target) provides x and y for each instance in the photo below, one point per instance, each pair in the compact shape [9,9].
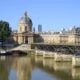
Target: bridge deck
[65,44]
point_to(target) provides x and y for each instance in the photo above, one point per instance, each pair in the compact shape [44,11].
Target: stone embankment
[60,57]
[23,47]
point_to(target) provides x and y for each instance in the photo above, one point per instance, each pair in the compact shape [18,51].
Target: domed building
[24,33]
[25,24]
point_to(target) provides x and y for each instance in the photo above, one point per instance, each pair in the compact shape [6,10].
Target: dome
[26,22]
[24,18]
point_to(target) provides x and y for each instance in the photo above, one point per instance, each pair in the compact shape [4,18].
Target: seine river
[36,68]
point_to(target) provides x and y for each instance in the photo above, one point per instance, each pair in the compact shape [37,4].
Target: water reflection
[22,66]
[2,58]
[62,70]
[36,68]
[76,73]
[62,66]
[11,73]
[15,68]
[48,62]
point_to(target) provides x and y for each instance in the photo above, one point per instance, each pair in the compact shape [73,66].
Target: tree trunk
[2,41]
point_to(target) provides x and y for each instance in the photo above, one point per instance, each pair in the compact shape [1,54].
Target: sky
[52,14]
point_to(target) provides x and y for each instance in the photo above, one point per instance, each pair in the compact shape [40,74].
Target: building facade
[72,37]
[25,34]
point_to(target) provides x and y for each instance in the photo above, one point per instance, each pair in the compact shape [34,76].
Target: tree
[5,31]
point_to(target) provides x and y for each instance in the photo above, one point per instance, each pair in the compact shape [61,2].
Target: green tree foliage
[5,30]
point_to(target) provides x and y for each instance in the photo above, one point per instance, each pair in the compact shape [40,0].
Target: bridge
[71,48]
[58,52]
[49,50]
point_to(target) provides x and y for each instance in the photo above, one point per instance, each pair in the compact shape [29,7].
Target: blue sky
[52,14]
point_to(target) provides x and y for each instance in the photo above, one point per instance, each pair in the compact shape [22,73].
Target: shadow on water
[13,53]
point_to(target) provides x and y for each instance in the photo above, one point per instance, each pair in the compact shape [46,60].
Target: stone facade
[24,33]
[61,39]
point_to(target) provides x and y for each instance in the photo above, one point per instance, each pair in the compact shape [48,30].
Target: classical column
[23,39]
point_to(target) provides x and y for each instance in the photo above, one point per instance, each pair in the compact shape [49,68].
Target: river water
[36,68]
